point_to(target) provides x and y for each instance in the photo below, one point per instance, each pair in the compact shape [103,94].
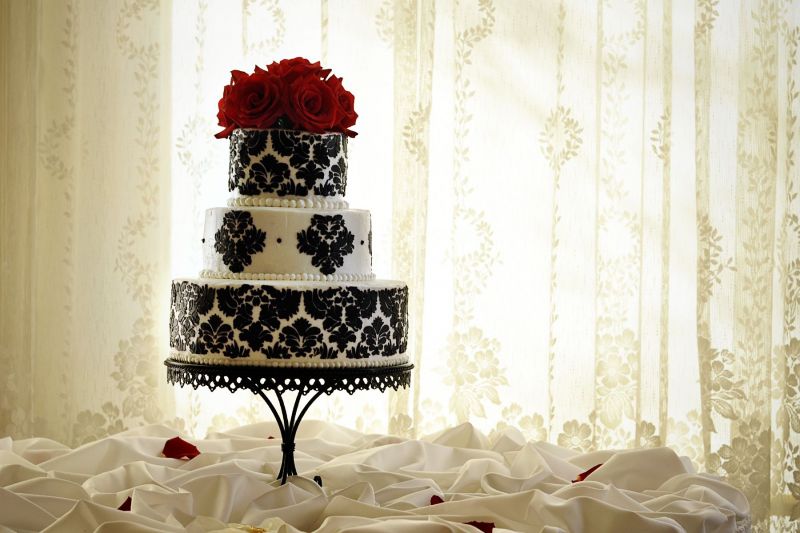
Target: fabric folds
[370,482]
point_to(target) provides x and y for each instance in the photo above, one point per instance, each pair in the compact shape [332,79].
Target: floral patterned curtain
[85,223]
[595,205]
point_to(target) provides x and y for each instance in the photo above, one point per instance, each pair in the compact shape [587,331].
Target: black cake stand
[305,381]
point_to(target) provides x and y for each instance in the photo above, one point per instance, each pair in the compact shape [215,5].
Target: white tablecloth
[370,483]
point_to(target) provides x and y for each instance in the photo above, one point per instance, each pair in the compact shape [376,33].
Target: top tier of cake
[287,168]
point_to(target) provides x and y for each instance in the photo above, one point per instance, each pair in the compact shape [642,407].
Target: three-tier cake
[287,267]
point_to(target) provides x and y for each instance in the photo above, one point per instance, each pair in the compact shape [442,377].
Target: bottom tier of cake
[289,323]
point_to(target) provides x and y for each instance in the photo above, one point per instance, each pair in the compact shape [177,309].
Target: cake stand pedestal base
[310,383]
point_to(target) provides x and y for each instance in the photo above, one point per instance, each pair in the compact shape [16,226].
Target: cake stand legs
[287,424]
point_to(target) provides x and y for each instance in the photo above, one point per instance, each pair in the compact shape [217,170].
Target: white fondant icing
[283,258]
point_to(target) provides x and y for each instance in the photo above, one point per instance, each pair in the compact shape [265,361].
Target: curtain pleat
[18,23]
[413,45]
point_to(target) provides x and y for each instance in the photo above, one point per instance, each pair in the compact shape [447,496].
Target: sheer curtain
[85,153]
[595,205]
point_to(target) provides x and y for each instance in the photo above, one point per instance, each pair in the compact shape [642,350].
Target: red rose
[345,100]
[291,69]
[250,101]
[293,93]
[312,106]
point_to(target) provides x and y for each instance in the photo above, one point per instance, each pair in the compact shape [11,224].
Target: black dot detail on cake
[279,240]
[327,240]
[238,239]
[362,242]
[203,240]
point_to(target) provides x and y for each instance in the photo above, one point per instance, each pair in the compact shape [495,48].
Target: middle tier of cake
[272,243]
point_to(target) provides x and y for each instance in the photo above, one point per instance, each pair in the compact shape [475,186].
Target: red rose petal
[583,475]
[177,448]
[226,132]
[238,75]
[126,505]
[436,499]
[289,69]
[486,527]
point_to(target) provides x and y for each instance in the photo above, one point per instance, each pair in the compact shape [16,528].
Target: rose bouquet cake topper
[290,94]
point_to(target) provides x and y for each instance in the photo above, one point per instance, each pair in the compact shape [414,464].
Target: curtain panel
[85,215]
[594,203]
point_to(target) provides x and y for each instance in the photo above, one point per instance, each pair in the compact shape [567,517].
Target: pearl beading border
[374,361]
[246,201]
[260,276]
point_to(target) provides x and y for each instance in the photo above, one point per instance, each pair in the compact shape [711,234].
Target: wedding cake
[287,266]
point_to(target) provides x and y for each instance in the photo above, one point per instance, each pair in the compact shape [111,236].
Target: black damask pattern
[255,335]
[300,338]
[277,351]
[215,334]
[189,302]
[359,351]
[342,335]
[236,174]
[238,239]
[279,323]
[327,240]
[361,304]
[377,336]
[287,163]
[337,179]
[393,304]
[327,352]
[255,145]
[257,313]
[270,175]
[233,351]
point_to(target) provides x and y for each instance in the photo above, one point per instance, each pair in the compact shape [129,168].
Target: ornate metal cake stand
[306,381]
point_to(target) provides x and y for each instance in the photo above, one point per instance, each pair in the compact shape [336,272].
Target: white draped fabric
[370,482]
[596,206]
